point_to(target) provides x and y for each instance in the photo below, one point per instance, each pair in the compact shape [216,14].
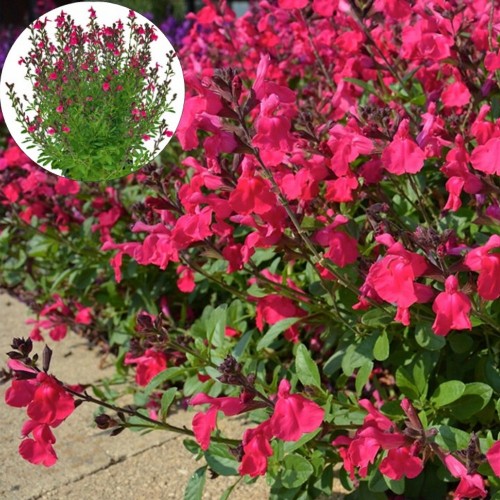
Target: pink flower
[51,131]
[92,12]
[292,4]
[252,195]
[206,422]
[402,155]
[493,457]
[294,415]
[66,129]
[401,462]
[146,137]
[378,432]
[60,108]
[84,314]
[393,278]
[148,365]
[471,485]
[342,248]
[488,266]
[66,186]
[185,282]
[38,450]
[455,95]
[452,309]
[53,76]
[486,157]
[256,450]
[106,86]
[51,404]
[37,25]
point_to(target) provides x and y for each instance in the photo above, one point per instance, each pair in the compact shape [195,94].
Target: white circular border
[107,13]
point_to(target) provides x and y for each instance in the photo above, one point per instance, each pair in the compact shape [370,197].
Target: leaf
[334,362]
[447,392]
[404,380]
[357,355]
[290,446]
[162,377]
[375,317]
[427,339]
[196,483]
[221,461]
[381,348]
[474,398]
[241,346]
[461,343]
[364,85]
[307,369]
[297,471]
[273,332]
[166,400]
[451,438]
[362,376]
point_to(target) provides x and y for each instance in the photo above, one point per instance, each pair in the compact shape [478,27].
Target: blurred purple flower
[175,30]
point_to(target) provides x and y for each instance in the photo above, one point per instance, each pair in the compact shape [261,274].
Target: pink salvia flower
[148,365]
[452,309]
[294,415]
[493,457]
[471,485]
[486,157]
[60,108]
[106,86]
[488,266]
[403,156]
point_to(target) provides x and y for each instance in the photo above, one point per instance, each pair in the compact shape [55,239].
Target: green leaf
[362,376]
[427,339]
[290,446]
[162,377]
[357,355]
[404,380]
[196,483]
[221,461]
[460,342]
[241,346]
[451,438]
[275,330]
[474,398]
[381,348]
[376,317]
[364,85]
[166,400]
[297,471]
[307,369]
[397,487]
[447,392]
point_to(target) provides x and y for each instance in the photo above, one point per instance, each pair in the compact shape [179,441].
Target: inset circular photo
[92,91]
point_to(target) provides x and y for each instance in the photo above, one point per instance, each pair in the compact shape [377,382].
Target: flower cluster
[57,316]
[47,403]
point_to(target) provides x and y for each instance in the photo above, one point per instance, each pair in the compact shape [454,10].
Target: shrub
[338,219]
